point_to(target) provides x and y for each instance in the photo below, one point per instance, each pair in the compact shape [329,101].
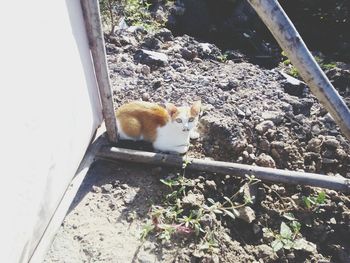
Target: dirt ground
[251,115]
[106,218]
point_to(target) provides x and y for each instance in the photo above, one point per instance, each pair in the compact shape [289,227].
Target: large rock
[300,106]
[151,58]
[292,85]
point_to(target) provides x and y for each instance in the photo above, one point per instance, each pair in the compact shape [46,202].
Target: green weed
[288,238]
[294,72]
[315,201]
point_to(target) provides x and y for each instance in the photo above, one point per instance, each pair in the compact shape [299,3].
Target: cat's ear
[196,108]
[172,109]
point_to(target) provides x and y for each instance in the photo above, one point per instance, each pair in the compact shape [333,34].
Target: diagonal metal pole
[290,41]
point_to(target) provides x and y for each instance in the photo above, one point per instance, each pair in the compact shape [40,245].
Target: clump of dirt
[251,115]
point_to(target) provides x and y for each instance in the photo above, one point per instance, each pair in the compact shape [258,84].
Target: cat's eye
[191,119]
[178,120]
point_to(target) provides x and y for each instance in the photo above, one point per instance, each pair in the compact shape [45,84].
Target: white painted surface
[49,108]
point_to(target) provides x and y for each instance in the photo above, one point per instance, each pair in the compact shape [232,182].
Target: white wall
[49,110]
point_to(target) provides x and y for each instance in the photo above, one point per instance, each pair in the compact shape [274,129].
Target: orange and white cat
[168,128]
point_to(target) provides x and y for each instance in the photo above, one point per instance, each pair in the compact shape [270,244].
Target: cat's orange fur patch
[195,108]
[140,118]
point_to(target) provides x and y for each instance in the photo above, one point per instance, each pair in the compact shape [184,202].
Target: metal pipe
[235,169]
[274,17]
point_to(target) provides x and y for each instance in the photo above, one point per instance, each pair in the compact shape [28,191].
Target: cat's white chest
[171,138]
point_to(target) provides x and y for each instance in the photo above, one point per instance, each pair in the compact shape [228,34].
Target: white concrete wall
[49,108]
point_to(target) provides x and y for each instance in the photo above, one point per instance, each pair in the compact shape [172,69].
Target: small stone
[265,161]
[143,257]
[252,156]
[181,69]
[264,145]
[111,205]
[331,142]
[333,221]
[197,60]
[314,145]
[188,54]
[193,199]
[250,148]
[164,34]
[96,189]
[341,154]
[238,146]
[146,96]
[211,184]
[286,106]
[240,113]
[247,214]
[275,116]
[107,188]
[157,83]
[146,70]
[211,100]
[130,196]
[316,129]
[151,43]
[205,48]
[327,119]
[245,154]
[256,229]
[264,126]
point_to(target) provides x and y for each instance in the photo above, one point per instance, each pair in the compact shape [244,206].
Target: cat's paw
[194,135]
[181,150]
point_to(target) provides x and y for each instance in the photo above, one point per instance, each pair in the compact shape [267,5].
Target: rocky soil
[251,115]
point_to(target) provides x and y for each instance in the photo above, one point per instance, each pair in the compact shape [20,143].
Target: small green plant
[146,230]
[294,72]
[314,202]
[135,12]
[176,216]
[229,207]
[289,238]
[209,243]
[223,58]
[193,221]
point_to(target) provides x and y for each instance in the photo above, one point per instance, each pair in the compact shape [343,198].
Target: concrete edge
[68,196]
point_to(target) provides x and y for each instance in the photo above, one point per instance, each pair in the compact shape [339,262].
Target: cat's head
[185,117]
